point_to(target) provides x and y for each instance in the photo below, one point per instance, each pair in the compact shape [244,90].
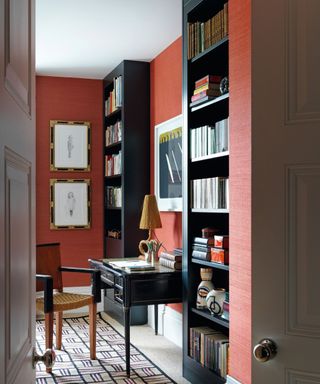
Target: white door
[286,188]
[17,191]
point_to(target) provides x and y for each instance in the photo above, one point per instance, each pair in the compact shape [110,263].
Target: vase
[215,299]
[204,287]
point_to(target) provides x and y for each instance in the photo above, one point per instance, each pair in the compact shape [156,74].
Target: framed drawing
[168,164]
[69,145]
[69,204]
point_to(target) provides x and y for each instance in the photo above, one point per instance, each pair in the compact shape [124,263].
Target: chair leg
[92,329]
[59,321]
[48,324]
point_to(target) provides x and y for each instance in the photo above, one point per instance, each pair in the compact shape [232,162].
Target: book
[132,265]
[207,79]
[177,251]
[204,93]
[207,87]
[204,241]
[201,255]
[170,263]
[202,100]
[171,256]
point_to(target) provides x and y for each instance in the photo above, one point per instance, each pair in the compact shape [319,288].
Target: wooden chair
[49,278]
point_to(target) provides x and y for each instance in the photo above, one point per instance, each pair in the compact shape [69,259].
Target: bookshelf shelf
[215,319]
[205,177]
[113,176]
[117,144]
[208,375]
[207,210]
[210,264]
[216,100]
[210,49]
[209,157]
[114,113]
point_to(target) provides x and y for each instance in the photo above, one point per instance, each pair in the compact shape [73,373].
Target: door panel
[286,188]
[17,191]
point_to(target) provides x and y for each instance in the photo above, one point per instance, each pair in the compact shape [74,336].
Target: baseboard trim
[231,380]
[169,323]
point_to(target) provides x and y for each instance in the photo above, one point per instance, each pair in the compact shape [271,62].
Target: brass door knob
[48,358]
[265,350]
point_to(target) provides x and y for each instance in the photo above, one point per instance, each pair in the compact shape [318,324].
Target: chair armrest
[48,292]
[95,279]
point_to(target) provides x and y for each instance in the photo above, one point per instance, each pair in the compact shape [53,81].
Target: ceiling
[88,38]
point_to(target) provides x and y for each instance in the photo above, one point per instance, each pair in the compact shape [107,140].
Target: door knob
[48,358]
[265,350]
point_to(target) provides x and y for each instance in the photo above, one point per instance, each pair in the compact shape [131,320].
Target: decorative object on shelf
[69,204]
[224,85]
[69,145]
[150,219]
[209,232]
[168,164]
[204,287]
[215,299]
[114,234]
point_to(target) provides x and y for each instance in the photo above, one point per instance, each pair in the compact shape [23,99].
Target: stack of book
[201,248]
[113,197]
[113,164]
[114,100]
[210,348]
[113,133]
[206,88]
[172,259]
[225,307]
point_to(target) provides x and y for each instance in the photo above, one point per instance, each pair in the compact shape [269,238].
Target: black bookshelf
[214,60]
[134,114]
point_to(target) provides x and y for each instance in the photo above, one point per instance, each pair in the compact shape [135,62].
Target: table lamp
[150,219]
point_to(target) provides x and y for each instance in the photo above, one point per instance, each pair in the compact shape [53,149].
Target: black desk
[159,286]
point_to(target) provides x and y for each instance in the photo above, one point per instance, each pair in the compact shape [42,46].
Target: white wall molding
[169,323]
[231,380]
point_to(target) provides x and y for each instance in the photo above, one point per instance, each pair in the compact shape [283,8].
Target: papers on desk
[133,265]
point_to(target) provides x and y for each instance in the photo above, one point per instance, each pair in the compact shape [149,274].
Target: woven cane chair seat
[63,301]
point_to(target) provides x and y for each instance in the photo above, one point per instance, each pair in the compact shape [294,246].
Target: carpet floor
[73,364]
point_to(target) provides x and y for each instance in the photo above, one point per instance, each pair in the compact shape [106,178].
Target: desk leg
[127,337]
[156,319]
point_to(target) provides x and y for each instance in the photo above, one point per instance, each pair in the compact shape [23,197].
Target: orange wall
[70,99]
[165,103]
[240,189]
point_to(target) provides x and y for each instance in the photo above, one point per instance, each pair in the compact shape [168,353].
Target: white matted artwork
[168,164]
[69,145]
[69,204]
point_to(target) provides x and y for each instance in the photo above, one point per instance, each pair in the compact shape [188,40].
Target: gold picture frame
[70,206]
[70,146]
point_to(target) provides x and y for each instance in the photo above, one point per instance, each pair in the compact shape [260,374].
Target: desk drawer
[156,291]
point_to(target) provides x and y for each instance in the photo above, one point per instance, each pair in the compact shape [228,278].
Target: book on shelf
[210,348]
[114,99]
[114,133]
[219,255]
[201,101]
[205,241]
[202,35]
[171,256]
[208,139]
[205,93]
[172,264]
[207,80]
[201,255]
[177,251]
[113,197]
[210,193]
[113,164]
[208,87]
[221,241]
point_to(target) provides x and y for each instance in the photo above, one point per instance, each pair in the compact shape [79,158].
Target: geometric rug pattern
[73,364]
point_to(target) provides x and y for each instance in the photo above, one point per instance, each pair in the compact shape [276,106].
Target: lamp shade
[150,217]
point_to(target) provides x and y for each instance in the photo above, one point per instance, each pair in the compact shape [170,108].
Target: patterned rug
[73,365]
